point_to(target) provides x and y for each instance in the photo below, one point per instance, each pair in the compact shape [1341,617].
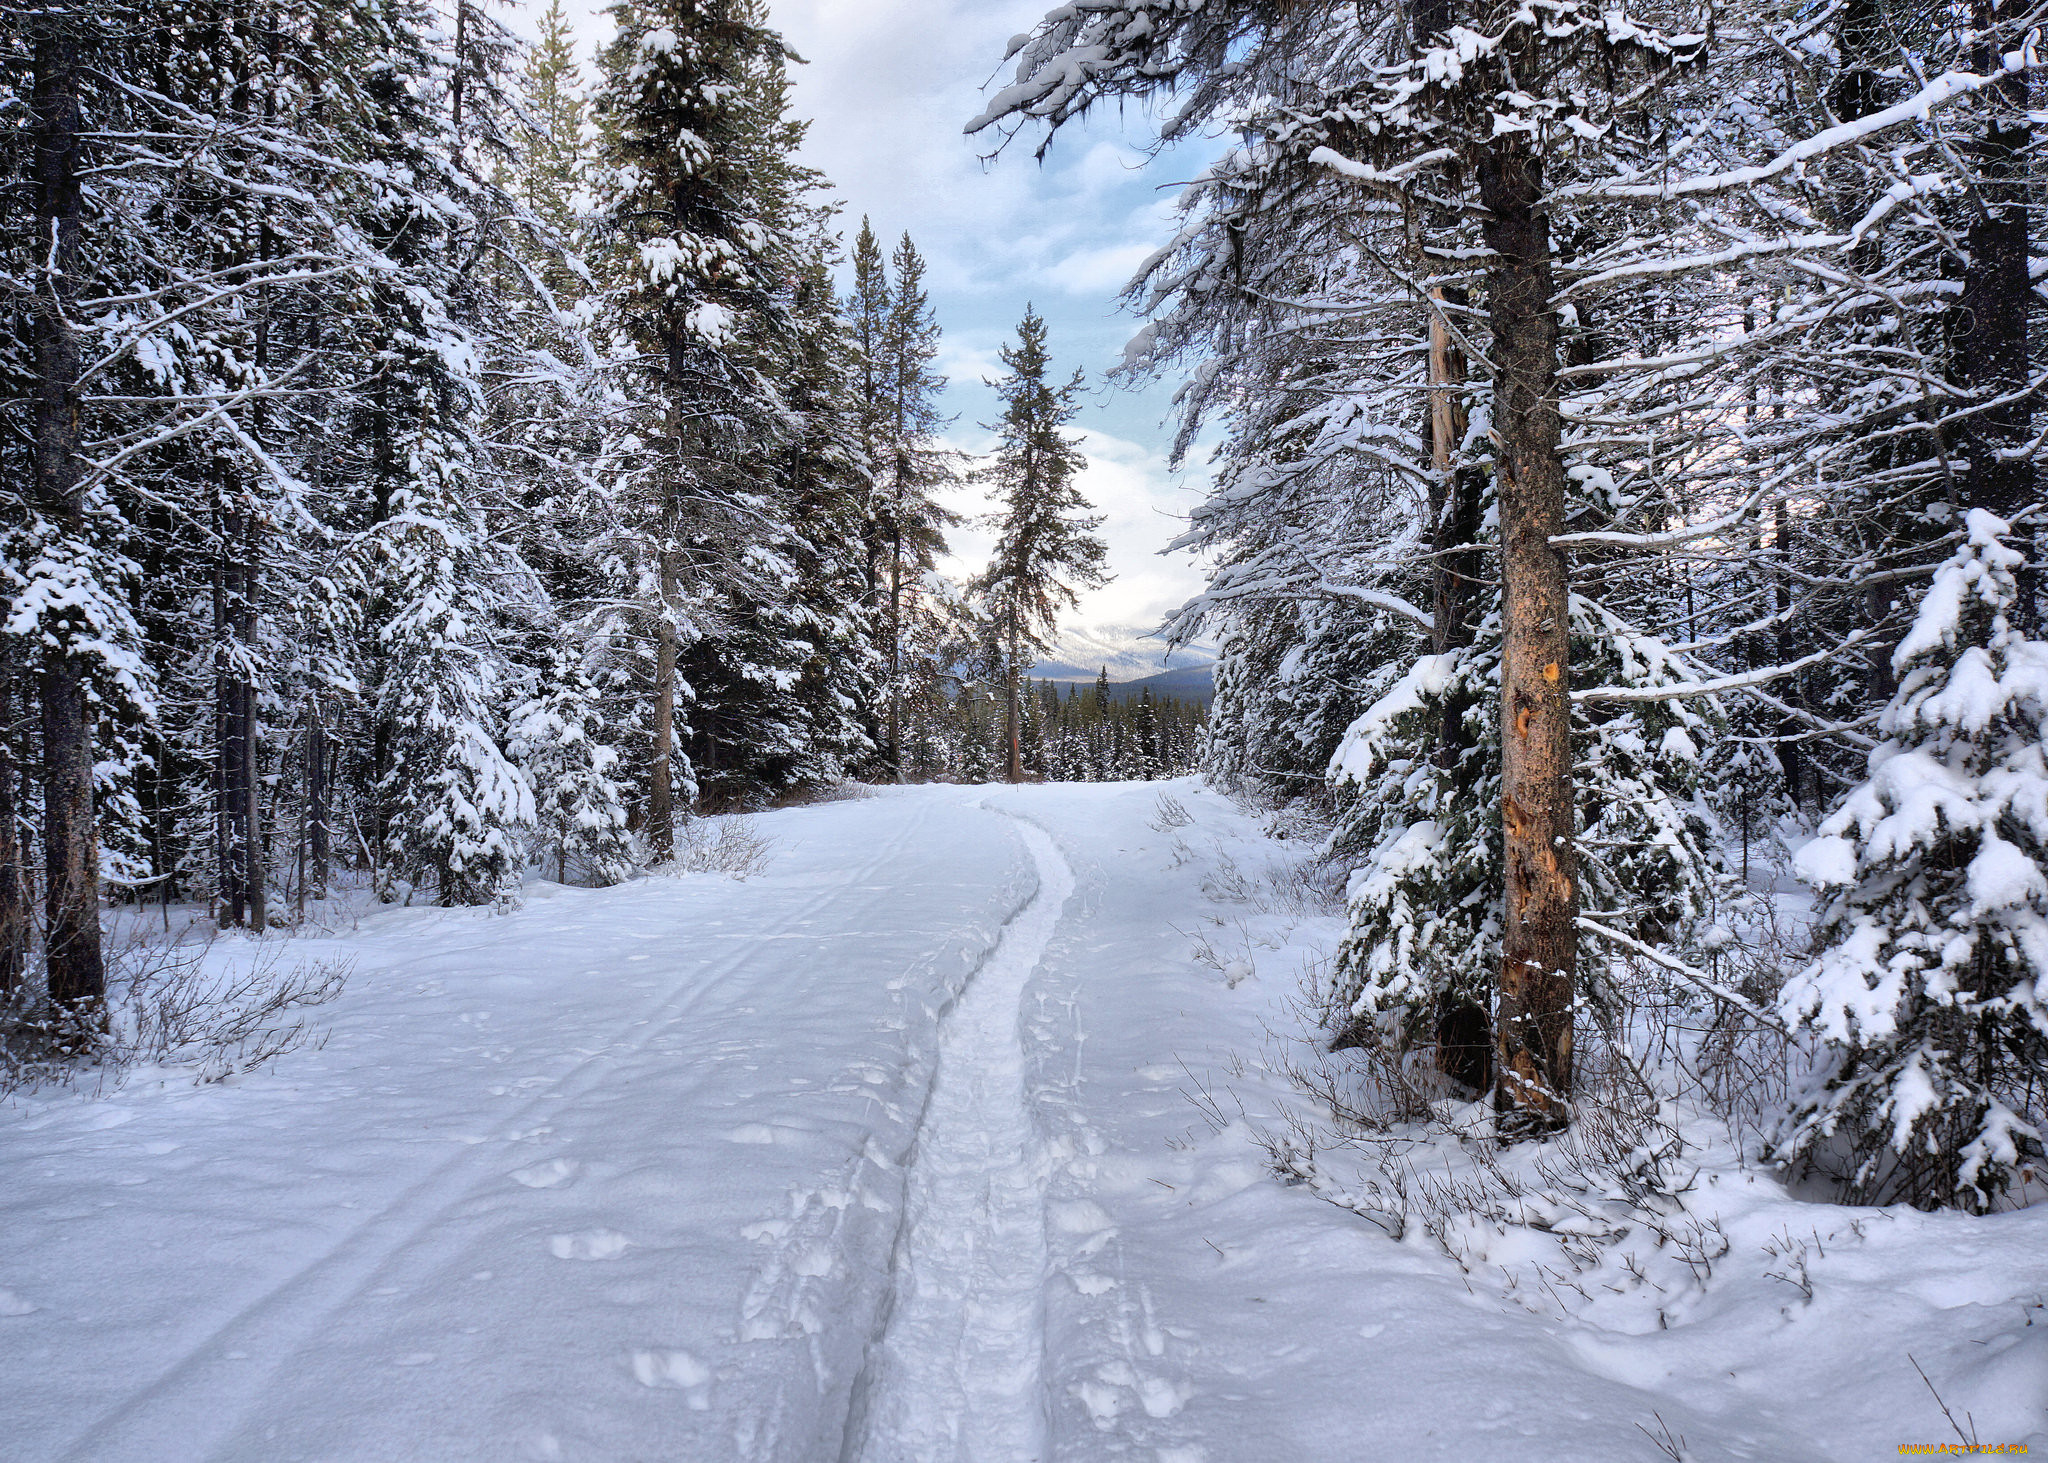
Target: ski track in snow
[956,1373]
[185,1399]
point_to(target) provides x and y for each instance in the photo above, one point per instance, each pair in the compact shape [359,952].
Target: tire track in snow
[956,1374]
[185,1400]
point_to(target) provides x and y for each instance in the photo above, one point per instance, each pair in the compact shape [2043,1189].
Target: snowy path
[203,1391]
[956,1375]
[887,1155]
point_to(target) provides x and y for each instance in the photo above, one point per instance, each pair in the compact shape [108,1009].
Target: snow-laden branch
[231,291]
[100,472]
[1671,538]
[1698,979]
[1916,108]
[1393,604]
[1685,689]
[1393,177]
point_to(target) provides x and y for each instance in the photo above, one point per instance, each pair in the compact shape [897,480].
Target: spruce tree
[1927,1000]
[896,336]
[559,739]
[685,250]
[1046,550]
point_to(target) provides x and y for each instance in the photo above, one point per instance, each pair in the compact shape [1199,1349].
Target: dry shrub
[1169,813]
[844,790]
[166,1008]
[728,845]
[1300,888]
[1385,1136]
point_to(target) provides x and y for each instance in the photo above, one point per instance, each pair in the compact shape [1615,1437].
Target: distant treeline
[1076,734]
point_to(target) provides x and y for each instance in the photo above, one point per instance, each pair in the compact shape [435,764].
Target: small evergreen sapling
[579,810]
[1928,1002]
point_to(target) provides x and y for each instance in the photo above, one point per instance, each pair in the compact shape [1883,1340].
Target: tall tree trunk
[255,860]
[317,816]
[1790,762]
[1464,1027]
[71,941]
[661,817]
[1995,295]
[896,652]
[1012,719]
[231,717]
[1533,1030]
[14,914]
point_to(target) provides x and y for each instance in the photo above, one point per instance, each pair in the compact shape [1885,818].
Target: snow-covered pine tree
[559,738]
[554,151]
[1046,550]
[435,584]
[684,250]
[1929,1002]
[777,687]
[897,336]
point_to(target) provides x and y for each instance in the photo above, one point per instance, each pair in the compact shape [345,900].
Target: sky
[888,86]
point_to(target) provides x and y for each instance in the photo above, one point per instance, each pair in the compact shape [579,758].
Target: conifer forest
[533,691]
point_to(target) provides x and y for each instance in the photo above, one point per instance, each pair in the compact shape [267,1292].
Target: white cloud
[1143,509]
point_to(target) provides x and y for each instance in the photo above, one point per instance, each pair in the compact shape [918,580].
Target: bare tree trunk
[14,915]
[661,824]
[1016,753]
[230,718]
[1996,289]
[317,816]
[1789,760]
[1464,1027]
[896,653]
[1533,1078]
[255,847]
[77,972]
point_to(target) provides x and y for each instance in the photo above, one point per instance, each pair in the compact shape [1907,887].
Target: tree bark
[1011,727]
[1533,1029]
[76,970]
[231,719]
[661,818]
[14,914]
[1464,1028]
[896,648]
[255,860]
[1995,296]
[317,817]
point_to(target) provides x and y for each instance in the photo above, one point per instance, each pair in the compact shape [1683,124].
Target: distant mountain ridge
[1183,683]
[1129,653]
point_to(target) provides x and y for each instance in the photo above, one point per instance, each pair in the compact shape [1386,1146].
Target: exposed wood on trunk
[77,972]
[1464,1028]
[1533,1079]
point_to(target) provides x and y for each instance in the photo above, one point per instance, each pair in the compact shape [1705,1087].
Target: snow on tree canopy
[1928,1002]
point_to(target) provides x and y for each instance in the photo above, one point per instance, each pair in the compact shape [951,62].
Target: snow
[888,1153]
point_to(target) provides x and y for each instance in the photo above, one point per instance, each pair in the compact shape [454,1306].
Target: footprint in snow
[589,1244]
[678,1370]
[551,1174]
[15,1305]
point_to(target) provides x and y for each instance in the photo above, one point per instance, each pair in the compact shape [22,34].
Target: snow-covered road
[886,1154]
